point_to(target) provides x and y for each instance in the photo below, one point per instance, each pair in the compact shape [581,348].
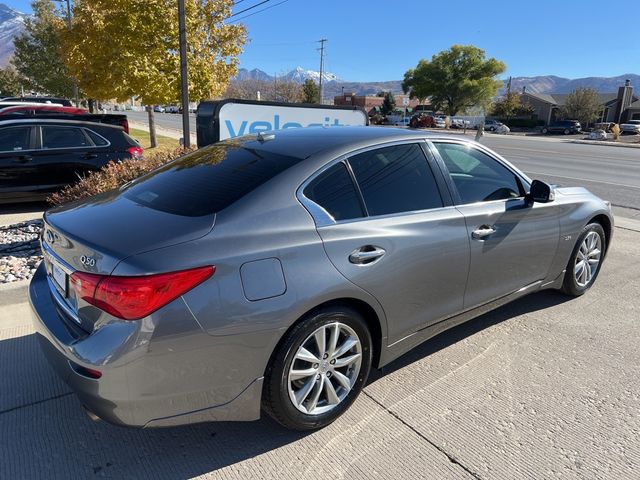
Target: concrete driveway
[546,387]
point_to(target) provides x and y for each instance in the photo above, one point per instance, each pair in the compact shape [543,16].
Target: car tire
[567,131]
[545,130]
[281,392]
[576,282]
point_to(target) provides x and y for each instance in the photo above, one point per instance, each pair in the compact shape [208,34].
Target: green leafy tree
[37,55]
[388,103]
[510,105]
[119,49]
[455,79]
[310,92]
[11,82]
[583,104]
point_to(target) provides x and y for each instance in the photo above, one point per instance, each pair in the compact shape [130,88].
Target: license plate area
[58,275]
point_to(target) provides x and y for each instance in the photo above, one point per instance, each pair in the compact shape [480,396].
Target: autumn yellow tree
[124,48]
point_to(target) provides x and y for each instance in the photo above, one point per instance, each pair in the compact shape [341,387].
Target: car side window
[63,137]
[396,179]
[14,139]
[334,191]
[97,140]
[477,176]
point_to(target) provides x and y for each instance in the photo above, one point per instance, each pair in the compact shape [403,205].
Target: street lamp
[75,83]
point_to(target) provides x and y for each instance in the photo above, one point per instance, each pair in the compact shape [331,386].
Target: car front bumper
[139,387]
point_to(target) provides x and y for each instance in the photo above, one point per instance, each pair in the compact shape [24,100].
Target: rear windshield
[208,180]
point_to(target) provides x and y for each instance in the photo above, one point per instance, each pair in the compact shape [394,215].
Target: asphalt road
[171,121]
[546,387]
[613,173]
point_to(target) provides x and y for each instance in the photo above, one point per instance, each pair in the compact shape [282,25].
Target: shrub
[615,130]
[114,175]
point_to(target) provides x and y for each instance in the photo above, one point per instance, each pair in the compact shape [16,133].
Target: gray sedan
[270,273]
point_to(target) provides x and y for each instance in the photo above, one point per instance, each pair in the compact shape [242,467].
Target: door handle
[366,255]
[482,232]
[89,156]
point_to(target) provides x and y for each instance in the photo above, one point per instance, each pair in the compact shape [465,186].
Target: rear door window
[15,139]
[395,179]
[63,137]
[207,180]
[334,191]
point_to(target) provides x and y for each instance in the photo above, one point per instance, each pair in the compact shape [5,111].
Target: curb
[13,293]
[605,143]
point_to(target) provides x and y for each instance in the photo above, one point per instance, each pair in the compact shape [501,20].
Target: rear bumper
[139,387]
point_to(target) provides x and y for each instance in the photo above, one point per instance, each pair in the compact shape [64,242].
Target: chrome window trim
[322,218]
[526,181]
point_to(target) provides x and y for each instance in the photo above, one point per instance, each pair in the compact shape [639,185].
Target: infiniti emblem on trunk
[50,237]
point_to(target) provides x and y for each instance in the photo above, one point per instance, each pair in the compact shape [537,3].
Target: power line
[250,8]
[259,11]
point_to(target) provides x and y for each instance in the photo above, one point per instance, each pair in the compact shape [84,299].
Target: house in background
[372,103]
[616,107]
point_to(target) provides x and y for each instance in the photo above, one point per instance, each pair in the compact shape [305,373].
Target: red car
[35,109]
[422,120]
[62,112]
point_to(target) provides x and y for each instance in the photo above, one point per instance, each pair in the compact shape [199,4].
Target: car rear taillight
[132,298]
[125,125]
[136,152]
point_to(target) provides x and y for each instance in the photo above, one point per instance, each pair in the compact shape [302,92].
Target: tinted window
[334,191]
[395,179]
[208,180]
[477,176]
[14,139]
[63,137]
[97,140]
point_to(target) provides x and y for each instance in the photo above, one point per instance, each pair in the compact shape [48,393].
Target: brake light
[132,298]
[136,152]
[125,125]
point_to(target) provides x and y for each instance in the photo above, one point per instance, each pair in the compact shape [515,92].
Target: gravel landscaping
[19,251]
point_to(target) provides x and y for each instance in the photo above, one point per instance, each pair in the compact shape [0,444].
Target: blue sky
[379,40]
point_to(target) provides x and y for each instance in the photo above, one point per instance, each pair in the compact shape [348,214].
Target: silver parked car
[272,272]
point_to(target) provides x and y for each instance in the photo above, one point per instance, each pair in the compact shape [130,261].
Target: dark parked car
[269,273]
[563,126]
[40,156]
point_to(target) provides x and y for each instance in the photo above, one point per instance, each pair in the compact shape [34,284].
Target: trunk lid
[95,235]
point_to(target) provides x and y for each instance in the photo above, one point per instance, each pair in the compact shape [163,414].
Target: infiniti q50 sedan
[270,273]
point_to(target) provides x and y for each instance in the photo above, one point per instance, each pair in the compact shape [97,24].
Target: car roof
[305,142]
[54,121]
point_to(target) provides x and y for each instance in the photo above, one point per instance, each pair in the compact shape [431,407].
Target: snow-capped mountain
[11,26]
[298,75]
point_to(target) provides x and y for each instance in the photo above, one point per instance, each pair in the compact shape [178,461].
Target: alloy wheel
[587,259]
[325,368]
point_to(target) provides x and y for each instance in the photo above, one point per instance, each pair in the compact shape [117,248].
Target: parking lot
[545,387]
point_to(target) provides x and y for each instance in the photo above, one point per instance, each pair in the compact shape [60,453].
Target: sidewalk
[167,132]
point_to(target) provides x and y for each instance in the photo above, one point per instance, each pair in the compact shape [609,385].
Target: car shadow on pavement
[44,431]
[527,304]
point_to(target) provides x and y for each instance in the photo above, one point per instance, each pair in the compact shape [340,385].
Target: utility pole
[321,41]
[186,134]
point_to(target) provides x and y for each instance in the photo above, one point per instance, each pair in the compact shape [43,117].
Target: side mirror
[540,192]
